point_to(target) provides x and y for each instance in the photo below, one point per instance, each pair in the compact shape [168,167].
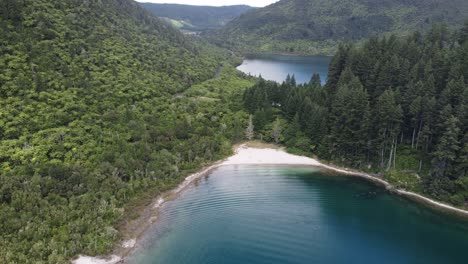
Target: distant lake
[270,214]
[277,67]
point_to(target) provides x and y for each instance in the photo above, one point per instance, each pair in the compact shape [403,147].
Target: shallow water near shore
[297,214]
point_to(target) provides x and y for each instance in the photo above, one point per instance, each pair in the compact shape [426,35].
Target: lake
[268,214]
[277,67]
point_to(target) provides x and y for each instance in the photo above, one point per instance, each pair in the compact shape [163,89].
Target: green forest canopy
[318,26]
[92,114]
[101,102]
[397,106]
[197,18]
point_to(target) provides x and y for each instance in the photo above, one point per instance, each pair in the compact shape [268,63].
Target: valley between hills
[105,105]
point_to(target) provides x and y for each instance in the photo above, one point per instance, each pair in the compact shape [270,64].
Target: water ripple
[278,214]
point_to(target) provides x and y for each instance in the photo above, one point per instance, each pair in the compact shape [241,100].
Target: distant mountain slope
[197,17]
[291,25]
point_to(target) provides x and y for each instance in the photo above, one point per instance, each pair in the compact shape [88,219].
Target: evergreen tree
[461,167]
[392,102]
[260,119]
[415,112]
[346,77]
[464,34]
[315,80]
[388,118]
[384,79]
[314,119]
[337,65]
[447,147]
[293,104]
[350,112]
[292,131]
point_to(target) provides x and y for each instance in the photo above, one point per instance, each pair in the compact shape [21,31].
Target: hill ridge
[316,26]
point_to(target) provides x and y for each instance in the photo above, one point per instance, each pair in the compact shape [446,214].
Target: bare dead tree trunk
[394,154]
[389,164]
[419,133]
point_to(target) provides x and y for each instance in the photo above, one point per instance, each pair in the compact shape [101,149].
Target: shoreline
[247,155]
[247,55]
[148,217]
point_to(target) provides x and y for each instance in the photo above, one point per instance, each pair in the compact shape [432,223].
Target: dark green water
[276,67]
[281,214]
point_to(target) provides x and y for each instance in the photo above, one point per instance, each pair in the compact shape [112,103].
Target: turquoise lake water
[288,214]
[277,67]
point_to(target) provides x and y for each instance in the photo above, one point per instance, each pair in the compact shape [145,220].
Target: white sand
[245,155]
[91,260]
[131,243]
[248,156]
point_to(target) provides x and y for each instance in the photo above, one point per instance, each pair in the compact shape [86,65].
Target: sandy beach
[92,260]
[245,155]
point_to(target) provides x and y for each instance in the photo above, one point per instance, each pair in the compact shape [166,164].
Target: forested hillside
[393,106]
[317,26]
[196,18]
[92,114]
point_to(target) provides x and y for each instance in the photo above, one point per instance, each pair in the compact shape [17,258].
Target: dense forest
[196,18]
[318,26]
[397,107]
[102,103]
[93,113]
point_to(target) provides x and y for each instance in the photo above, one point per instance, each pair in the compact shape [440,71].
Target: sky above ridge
[257,3]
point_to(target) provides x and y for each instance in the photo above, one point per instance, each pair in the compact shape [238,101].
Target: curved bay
[281,214]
